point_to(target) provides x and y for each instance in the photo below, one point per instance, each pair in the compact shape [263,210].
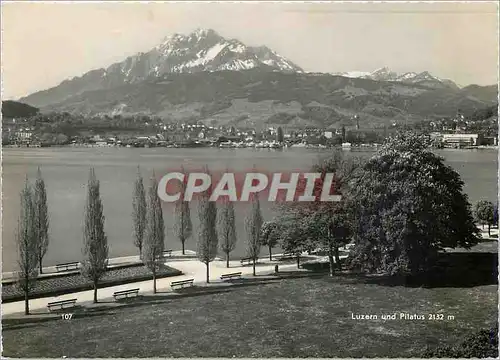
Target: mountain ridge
[253,97]
[386,74]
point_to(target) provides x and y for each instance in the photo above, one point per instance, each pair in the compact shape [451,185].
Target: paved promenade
[191,269]
[49,271]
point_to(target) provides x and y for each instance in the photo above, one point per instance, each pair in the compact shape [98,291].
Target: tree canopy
[406,205]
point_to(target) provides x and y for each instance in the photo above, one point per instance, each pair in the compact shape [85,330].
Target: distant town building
[24,135]
[328,134]
[462,139]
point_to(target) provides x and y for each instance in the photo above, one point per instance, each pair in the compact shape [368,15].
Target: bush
[316,266]
[483,344]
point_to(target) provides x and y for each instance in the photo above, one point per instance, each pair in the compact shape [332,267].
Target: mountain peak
[201,32]
[383,74]
[382,70]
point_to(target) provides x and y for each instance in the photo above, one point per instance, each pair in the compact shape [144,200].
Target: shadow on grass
[292,274]
[257,265]
[29,322]
[110,307]
[458,270]
[165,297]
[490,239]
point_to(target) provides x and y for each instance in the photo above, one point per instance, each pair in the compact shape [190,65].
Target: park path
[191,269]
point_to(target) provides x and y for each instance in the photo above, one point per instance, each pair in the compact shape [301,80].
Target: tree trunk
[253,266]
[154,281]
[330,259]
[489,230]
[26,301]
[298,261]
[208,273]
[40,263]
[183,248]
[227,259]
[270,253]
[337,258]
[95,291]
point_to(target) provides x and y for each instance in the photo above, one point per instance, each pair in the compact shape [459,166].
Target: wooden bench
[67,266]
[182,283]
[246,260]
[62,304]
[167,252]
[126,293]
[231,276]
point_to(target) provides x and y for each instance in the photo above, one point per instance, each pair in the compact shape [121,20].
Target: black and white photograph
[249,179]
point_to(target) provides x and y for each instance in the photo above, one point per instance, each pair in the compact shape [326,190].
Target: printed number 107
[66,316]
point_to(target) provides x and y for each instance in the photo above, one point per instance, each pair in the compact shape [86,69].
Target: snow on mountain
[354,74]
[385,74]
[203,50]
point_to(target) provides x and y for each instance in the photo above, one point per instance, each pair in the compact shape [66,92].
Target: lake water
[65,171]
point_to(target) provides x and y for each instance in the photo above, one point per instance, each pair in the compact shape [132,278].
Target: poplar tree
[226,228]
[152,255]
[279,135]
[139,211]
[207,234]
[41,218]
[96,248]
[253,225]
[27,245]
[183,226]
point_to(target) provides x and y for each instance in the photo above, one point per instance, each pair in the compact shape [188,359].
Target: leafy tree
[27,244]
[331,230]
[325,223]
[226,228]
[270,236]
[207,235]
[253,225]
[485,213]
[294,238]
[279,135]
[139,211]
[154,239]
[183,226]
[406,206]
[41,218]
[96,248]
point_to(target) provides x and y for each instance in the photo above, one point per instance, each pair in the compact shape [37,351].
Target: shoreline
[311,146]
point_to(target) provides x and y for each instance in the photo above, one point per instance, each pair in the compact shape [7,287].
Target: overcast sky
[45,43]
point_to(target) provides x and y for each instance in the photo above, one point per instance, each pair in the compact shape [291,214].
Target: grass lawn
[288,317]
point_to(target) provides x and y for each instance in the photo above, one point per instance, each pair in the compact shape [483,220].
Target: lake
[65,171]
